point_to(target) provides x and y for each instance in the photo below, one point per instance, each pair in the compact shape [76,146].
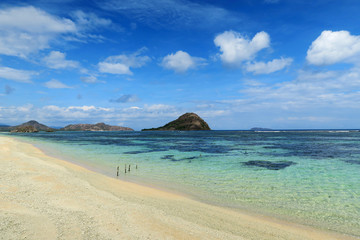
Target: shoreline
[69,201]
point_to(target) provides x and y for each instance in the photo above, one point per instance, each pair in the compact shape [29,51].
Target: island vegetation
[186,122]
[94,127]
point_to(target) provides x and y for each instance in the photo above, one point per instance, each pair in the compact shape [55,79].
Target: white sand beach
[42,197]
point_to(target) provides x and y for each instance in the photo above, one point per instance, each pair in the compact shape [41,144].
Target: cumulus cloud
[121,64]
[71,113]
[181,61]
[26,30]
[16,74]
[236,48]
[57,60]
[268,67]
[333,47]
[127,98]
[88,108]
[53,83]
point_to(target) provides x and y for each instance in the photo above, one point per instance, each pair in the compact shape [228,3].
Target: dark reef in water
[172,158]
[270,165]
[136,152]
[353,161]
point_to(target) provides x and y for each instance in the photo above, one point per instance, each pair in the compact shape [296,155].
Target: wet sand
[42,197]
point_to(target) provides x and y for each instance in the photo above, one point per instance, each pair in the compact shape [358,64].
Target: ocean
[307,177]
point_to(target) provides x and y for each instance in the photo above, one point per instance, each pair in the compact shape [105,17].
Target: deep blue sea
[309,177]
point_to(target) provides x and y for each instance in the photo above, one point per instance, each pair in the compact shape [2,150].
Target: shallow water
[306,177]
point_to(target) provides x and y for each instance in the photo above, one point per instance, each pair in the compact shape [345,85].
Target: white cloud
[91,79]
[114,68]
[89,108]
[57,60]
[52,108]
[55,84]
[16,75]
[89,21]
[134,107]
[236,48]
[333,47]
[26,30]
[56,113]
[25,108]
[268,67]
[181,61]
[33,20]
[311,90]
[121,64]
[158,107]
[314,97]
[316,76]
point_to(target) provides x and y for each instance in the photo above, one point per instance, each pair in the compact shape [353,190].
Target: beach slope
[42,197]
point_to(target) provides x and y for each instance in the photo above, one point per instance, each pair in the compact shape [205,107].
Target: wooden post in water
[117,171]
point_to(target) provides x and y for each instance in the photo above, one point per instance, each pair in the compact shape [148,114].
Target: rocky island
[34,126]
[31,126]
[186,122]
[94,127]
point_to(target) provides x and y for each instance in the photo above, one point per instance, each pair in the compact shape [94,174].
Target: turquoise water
[306,177]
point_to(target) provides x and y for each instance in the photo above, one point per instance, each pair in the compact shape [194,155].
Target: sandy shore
[46,198]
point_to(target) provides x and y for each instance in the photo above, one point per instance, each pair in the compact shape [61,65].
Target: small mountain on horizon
[94,127]
[31,126]
[186,122]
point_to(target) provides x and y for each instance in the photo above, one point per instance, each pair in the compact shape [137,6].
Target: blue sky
[282,64]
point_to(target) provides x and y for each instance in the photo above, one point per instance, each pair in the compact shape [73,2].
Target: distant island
[31,126]
[260,129]
[94,127]
[34,126]
[186,122]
